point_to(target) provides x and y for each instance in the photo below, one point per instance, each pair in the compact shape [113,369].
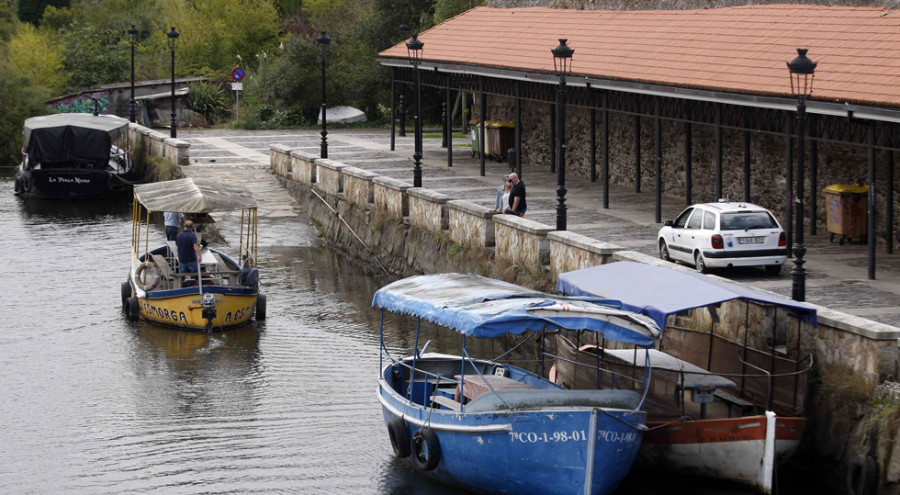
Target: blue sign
[237,73]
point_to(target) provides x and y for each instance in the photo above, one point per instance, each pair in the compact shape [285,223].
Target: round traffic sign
[237,73]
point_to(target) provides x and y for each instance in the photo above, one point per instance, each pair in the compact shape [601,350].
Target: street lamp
[323,41]
[802,71]
[173,37]
[132,33]
[414,49]
[562,64]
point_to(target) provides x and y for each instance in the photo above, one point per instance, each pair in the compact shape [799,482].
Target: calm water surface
[95,404]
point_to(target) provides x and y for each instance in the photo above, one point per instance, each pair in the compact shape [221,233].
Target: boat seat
[500,400]
[732,400]
[447,402]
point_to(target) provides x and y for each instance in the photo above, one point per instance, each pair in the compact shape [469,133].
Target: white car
[713,235]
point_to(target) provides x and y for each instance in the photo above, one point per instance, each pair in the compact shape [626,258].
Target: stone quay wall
[155,143]
[409,230]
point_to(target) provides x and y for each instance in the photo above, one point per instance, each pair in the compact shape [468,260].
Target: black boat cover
[77,138]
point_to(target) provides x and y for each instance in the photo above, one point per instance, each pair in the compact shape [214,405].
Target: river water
[95,404]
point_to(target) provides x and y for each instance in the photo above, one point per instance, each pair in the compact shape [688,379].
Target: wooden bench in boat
[732,401]
[476,385]
[446,402]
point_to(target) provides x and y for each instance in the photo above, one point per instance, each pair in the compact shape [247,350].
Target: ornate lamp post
[562,64]
[173,37]
[132,34]
[802,71]
[414,48]
[323,41]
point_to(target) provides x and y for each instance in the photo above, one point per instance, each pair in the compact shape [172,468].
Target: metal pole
[605,132]
[131,109]
[658,171]
[688,163]
[449,120]
[747,166]
[417,155]
[324,147]
[518,131]
[718,151]
[813,185]
[637,153]
[798,273]
[789,176]
[561,169]
[393,107]
[482,110]
[402,131]
[871,213]
[174,127]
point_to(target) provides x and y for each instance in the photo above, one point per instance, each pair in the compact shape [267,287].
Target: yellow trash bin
[847,208]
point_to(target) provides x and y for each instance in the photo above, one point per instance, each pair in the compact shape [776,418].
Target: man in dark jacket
[517,196]
[188,249]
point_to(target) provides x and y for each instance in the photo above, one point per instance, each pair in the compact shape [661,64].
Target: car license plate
[751,240]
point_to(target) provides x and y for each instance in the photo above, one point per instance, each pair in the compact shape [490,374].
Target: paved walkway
[837,275]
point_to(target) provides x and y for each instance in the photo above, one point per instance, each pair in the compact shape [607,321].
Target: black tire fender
[425,449]
[862,477]
[143,284]
[398,431]
[126,292]
[260,307]
[132,309]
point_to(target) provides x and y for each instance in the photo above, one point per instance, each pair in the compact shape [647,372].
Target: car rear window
[747,220]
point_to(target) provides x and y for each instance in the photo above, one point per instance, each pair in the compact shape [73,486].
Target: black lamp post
[173,37]
[562,64]
[414,47]
[323,41]
[132,34]
[802,71]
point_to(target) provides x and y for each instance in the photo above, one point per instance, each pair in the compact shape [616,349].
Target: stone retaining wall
[521,240]
[470,225]
[570,251]
[303,167]
[329,178]
[358,186]
[427,210]
[390,196]
[158,144]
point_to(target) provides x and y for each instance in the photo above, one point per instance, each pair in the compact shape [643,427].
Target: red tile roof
[735,49]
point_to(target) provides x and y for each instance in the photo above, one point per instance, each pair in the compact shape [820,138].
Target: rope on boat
[351,230]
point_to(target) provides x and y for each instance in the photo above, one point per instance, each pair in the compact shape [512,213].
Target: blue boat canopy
[659,292]
[486,308]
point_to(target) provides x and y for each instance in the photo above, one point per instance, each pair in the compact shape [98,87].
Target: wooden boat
[225,294]
[493,427]
[716,408]
[74,156]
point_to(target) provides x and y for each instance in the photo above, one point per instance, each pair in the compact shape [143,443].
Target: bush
[209,100]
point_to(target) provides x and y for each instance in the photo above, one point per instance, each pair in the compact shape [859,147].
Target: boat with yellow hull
[224,293]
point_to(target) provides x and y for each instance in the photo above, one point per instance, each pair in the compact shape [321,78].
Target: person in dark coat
[517,204]
[188,249]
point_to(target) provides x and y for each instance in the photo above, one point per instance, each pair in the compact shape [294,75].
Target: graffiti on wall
[83,103]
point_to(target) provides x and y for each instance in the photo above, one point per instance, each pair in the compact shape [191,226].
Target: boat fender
[18,186]
[27,182]
[126,292]
[426,450]
[132,309]
[398,431]
[862,477]
[147,281]
[260,307]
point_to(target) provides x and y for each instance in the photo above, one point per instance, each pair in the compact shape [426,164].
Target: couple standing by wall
[511,196]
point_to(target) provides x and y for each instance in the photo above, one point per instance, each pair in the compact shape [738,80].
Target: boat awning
[71,137]
[487,308]
[659,292]
[193,196]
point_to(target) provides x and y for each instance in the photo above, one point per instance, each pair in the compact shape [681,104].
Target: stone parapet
[303,167]
[470,224]
[570,251]
[155,143]
[428,210]
[358,187]
[521,240]
[329,180]
[390,196]
[280,159]
[177,151]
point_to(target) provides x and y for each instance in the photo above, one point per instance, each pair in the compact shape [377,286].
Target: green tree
[92,57]
[20,98]
[33,10]
[36,56]
[445,9]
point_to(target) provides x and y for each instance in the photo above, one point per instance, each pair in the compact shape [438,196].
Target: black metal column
[688,162]
[449,124]
[747,166]
[518,131]
[393,106]
[871,234]
[323,148]
[605,138]
[889,201]
[718,151]
[813,186]
[553,120]
[637,153]
[131,105]
[789,183]
[483,115]
[174,128]
[561,168]
[402,131]
[593,144]
[798,273]
[658,171]
[417,154]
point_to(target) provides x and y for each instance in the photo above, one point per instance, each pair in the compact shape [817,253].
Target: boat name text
[69,180]
[572,436]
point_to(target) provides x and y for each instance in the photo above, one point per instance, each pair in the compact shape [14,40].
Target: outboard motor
[208,301]
[249,276]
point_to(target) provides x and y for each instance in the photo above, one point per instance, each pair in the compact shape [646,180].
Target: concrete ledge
[358,187]
[391,196]
[177,151]
[303,167]
[427,209]
[329,178]
[280,160]
[470,224]
[521,240]
[570,251]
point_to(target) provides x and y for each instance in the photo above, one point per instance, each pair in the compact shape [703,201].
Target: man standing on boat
[188,249]
[173,222]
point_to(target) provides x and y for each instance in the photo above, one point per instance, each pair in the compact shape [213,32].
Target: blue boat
[492,427]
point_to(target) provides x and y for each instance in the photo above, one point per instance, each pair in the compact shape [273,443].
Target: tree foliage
[92,56]
[34,55]
[20,98]
[33,10]
[445,9]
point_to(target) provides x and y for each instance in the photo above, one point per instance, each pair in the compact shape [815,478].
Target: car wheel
[664,251]
[699,264]
[773,269]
